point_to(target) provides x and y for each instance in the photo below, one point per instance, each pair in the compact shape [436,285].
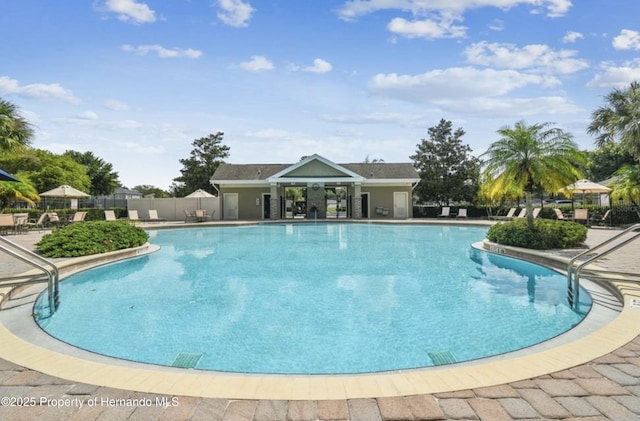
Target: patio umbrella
[586,186]
[65,192]
[199,194]
[5,176]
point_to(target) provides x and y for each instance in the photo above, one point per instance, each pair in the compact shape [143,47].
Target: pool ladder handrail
[34,260]
[573,274]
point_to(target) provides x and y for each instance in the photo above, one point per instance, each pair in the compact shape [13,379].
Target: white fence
[172,209]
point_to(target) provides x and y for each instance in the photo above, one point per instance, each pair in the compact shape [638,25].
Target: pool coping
[153,379]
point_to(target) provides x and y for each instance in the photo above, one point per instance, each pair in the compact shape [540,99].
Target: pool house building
[315,188]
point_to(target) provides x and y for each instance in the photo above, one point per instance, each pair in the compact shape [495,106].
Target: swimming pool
[313,299]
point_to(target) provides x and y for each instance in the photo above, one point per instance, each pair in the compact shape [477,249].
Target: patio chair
[6,223]
[462,213]
[201,215]
[20,220]
[522,214]
[582,216]
[189,216]
[110,215]
[559,215]
[54,219]
[536,212]
[446,212]
[153,216]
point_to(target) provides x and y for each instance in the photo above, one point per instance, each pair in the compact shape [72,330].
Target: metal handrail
[573,277]
[37,262]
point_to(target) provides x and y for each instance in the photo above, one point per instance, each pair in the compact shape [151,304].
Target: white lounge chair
[522,214]
[581,215]
[110,215]
[559,215]
[462,213]
[153,216]
[446,212]
[133,215]
[508,216]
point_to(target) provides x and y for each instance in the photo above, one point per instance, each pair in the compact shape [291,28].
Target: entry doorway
[230,205]
[364,204]
[336,202]
[266,206]
[295,202]
[400,205]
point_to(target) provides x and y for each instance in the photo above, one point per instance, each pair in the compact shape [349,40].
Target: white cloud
[235,12]
[319,66]
[537,57]
[257,64]
[616,76]
[454,83]
[496,25]
[40,91]
[426,28]
[512,107]
[130,10]
[162,52]
[115,105]
[627,40]
[88,115]
[571,37]
[354,8]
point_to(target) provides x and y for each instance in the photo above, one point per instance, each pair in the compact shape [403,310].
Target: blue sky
[136,81]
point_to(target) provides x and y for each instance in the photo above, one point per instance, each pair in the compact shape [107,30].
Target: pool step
[186,360]
[442,358]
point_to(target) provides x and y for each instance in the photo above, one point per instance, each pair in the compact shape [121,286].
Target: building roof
[359,172]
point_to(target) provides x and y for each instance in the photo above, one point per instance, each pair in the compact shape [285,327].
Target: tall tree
[530,157]
[104,180]
[207,155]
[46,170]
[446,167]
[606,160]
[15,131]
[619,120]
[147,189]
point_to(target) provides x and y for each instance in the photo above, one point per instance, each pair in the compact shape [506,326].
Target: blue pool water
[313,298]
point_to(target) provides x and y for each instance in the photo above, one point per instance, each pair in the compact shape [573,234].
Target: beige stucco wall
[382,197]
[248,208]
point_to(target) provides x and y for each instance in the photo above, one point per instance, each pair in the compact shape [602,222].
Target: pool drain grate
[186,360]
[441,358]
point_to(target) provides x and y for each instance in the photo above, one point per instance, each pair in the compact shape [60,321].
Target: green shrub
[91,237]
[547,234]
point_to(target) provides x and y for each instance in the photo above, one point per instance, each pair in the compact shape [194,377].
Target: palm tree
[627,184]
[530,157]
[15,131]
[23,190]
[619,119]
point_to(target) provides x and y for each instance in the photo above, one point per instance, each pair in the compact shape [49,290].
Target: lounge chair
[446,212]
[133,215]
[78,217]
[606,218]
[153,216]
[581,215]
[522,214]
[507,217]
[39,223]
[110,215]
[559,215]
[462,213]
[536,212]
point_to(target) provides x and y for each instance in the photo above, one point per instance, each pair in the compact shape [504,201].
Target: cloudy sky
[136,81]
